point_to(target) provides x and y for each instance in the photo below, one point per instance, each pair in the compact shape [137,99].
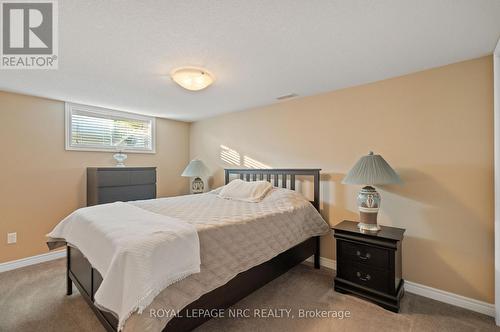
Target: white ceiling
[118,54]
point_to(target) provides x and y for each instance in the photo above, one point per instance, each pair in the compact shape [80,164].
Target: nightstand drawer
[365,276]
[364,254]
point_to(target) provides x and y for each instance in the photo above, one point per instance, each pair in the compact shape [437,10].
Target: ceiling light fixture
[192,78]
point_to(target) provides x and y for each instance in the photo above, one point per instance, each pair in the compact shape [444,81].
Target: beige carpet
[33,299]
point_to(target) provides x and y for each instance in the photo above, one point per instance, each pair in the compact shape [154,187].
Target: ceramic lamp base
[197,186]
[368,227]
[368,205]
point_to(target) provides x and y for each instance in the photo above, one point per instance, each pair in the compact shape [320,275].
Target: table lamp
[196,169]
[370,170]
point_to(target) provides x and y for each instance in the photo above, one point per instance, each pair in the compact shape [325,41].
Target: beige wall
[435,127]
[41,182]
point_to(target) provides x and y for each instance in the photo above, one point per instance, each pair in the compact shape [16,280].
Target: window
[98,129]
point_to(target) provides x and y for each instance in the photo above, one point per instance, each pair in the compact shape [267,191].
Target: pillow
[244,191]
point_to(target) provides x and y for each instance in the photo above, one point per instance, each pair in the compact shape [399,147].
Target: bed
[218,286]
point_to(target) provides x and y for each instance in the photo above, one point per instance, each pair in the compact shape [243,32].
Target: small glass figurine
[120,157]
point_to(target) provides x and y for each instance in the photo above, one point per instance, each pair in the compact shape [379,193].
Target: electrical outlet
[11,238]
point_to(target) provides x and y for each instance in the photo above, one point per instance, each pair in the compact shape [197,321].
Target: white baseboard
[450,298]
[432,293]
[12,265]
[325,262]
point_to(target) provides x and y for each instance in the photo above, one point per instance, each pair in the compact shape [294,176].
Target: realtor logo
[29,34]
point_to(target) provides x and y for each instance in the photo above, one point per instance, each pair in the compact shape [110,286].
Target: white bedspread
[138,252]
[234,237]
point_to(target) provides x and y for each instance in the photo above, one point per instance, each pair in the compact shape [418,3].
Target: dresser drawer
[364,254]
[127,193]
[114,178]
[143,177]
[366,276]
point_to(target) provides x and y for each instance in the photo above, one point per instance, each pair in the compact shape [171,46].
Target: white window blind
[98,129]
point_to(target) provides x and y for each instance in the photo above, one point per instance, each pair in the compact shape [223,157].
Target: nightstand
[369,264]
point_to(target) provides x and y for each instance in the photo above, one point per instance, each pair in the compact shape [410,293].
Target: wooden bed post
[316,253]
[69,283]
[316,204]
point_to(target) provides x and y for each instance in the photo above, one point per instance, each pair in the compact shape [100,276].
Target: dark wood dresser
[111,184]
[369,264]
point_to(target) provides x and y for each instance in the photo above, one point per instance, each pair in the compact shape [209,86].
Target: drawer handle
[366,278]
[365,257]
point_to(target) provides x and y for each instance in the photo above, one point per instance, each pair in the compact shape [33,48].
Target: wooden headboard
[274,176]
